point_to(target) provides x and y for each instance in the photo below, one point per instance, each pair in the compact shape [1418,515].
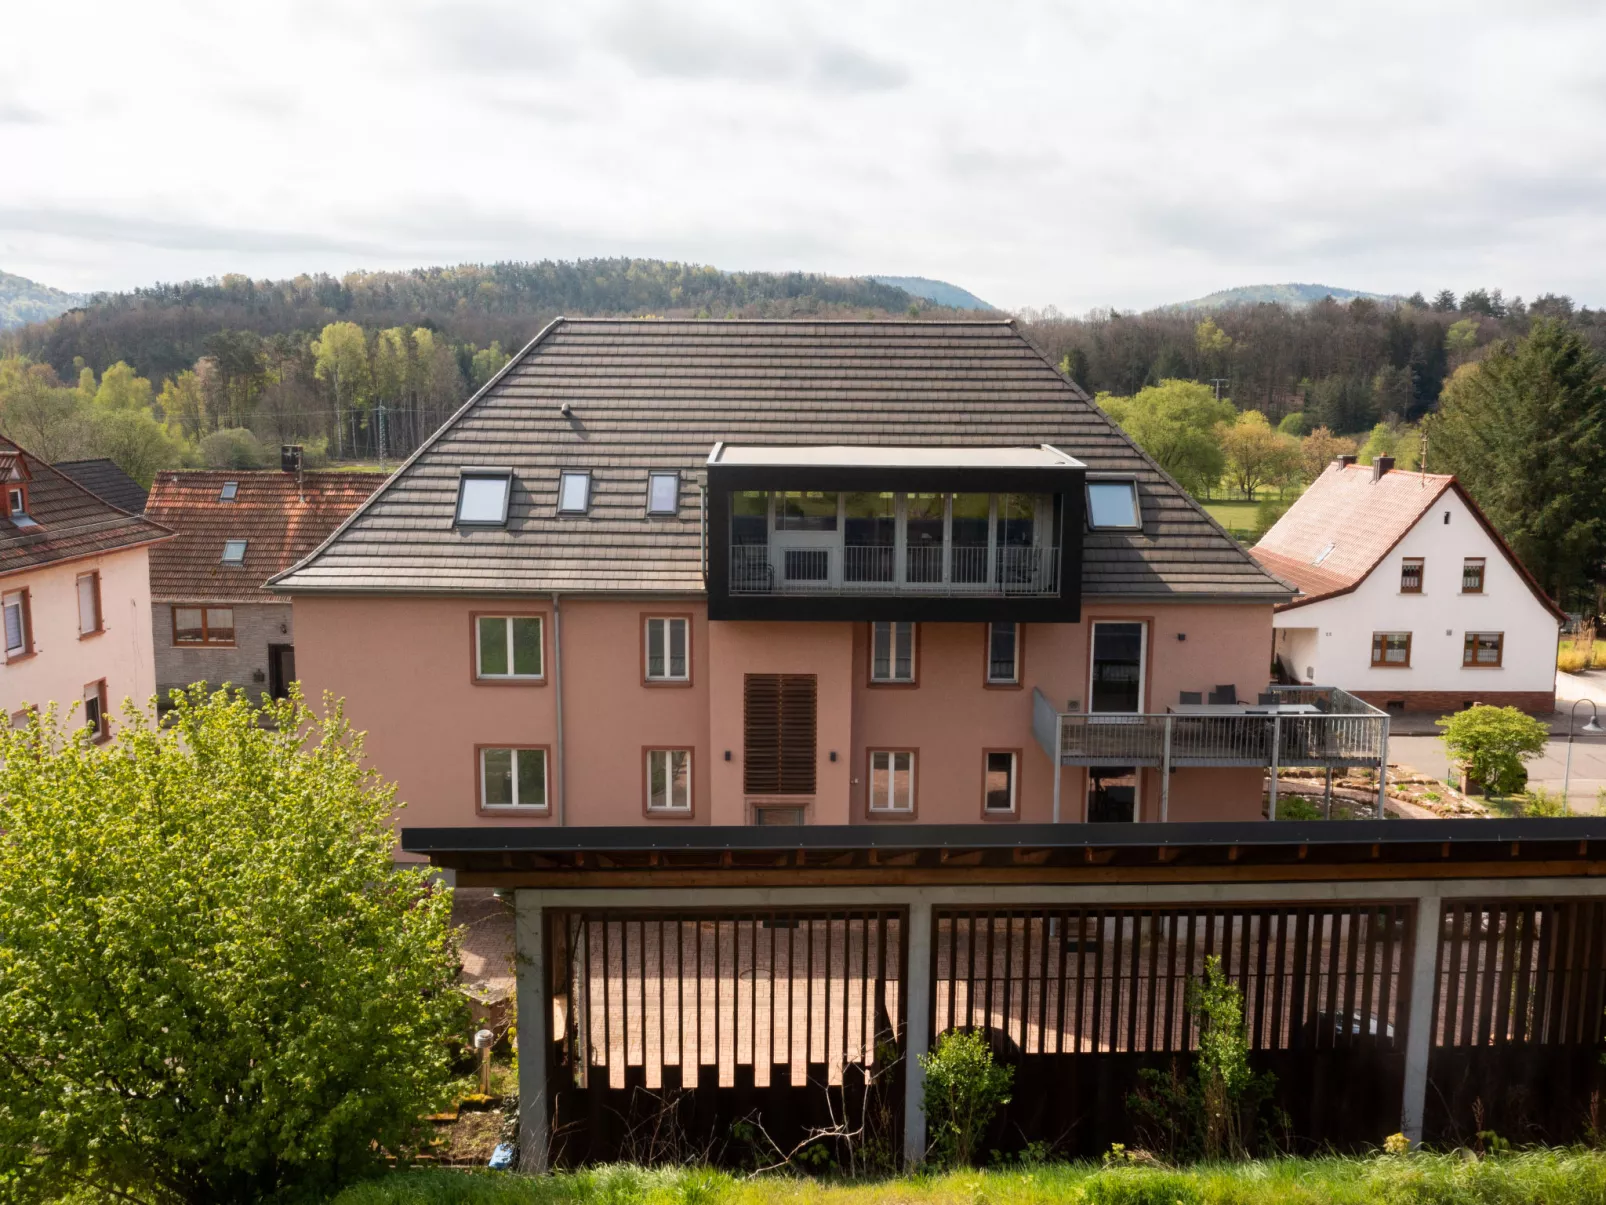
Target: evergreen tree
[1525,431]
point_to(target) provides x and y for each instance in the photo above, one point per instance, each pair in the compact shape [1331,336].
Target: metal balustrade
[930,570]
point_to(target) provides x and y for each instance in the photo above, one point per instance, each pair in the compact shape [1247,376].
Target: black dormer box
[847,532]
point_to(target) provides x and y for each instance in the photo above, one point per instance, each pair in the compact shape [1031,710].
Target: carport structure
[1397,975]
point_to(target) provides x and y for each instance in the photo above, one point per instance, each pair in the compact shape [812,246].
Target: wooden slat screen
[1521,971]
[779,734]
[1111,980]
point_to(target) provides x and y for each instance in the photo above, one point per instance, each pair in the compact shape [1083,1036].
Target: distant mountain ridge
[1294,296]
[938,291]
[23,301]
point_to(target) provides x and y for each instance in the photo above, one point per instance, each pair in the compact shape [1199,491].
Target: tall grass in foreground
[1546,1177]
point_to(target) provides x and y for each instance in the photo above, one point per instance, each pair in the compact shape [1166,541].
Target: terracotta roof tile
[653,395]
[279,523]
[69,521]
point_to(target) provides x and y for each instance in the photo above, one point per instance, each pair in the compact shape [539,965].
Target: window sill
[893,684]
[511,681]
[672,683]
[13,658]
[1002,685]
[204,647]
[91,635]
[1391,665]
[667,813]
[513,809]
[886,815]
[987,815]
[1483,667]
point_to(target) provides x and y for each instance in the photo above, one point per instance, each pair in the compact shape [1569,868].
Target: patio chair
[1191,696]
[1224,694]
[1266,697]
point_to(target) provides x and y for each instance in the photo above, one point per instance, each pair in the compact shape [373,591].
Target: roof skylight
[482,498]
[574,492]
[234,552]
[229,492]
[663,493]
[1323,554]
[1112,505]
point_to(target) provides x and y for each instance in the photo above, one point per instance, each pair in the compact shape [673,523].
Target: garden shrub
[1541,802]
[217,984]
[1492,743]
[1297,807]
[964,1090]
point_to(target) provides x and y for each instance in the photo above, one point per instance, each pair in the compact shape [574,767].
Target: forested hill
[164,329]
[1294,296]
[23,301]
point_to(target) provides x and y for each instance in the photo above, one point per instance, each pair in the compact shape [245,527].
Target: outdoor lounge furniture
[1191,696]
[1224,694]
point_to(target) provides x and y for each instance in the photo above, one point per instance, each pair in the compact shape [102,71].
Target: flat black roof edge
[643,838]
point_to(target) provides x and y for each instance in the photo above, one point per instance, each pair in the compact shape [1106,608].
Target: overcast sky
[1079,155]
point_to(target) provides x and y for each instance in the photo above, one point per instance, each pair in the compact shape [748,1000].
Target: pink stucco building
[75,594]
[686,573]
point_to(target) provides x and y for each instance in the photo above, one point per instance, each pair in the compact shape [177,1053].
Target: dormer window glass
[17,506]
[1112,505]
[482,498]
[663,493]
[229,492]
[234,552]
[574,493]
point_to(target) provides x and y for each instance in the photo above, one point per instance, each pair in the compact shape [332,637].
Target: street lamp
[1591,728]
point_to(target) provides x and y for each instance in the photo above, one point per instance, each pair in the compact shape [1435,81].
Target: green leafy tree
[487,362]
[340,356]
[136,441]
[40,413]
[964,1090]
[1491,745]
[218,987]
[1296,424]
[1461,338]
[1525,431]
[1256,455]
[1399,440]
[1177,423]
[121,388]
[1319,449]
[182,402]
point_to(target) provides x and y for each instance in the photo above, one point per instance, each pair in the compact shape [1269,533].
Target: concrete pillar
[529,969]
[1424,972]
[917,1032]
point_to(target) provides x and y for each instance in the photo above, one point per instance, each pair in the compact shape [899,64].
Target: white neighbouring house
[1408,597]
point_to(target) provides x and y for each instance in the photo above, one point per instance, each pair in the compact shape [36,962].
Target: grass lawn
[1234,516]
[1576,1177]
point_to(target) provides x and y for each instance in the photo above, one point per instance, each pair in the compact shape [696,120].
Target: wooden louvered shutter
[779,716]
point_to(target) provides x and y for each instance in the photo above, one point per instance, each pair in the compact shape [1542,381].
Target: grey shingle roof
[648,394]
[106,481]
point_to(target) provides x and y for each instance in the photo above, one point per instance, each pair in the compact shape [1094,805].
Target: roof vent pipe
[1346,460]
[1380,466]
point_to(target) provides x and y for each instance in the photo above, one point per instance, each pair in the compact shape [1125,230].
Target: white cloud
[1080,155]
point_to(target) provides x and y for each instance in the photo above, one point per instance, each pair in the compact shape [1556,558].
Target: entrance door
[281,669]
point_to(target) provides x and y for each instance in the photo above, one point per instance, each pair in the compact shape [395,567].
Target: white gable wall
[1330,642]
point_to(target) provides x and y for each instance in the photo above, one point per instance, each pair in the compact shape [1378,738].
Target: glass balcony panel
[870,529]
[923,536]
[969,562]
[805,510]
[750,517]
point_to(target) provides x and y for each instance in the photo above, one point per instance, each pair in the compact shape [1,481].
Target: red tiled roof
[279,523]
[70,522]
[1348,521]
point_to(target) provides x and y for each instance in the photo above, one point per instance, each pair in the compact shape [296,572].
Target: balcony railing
[935,570]
[1342,733]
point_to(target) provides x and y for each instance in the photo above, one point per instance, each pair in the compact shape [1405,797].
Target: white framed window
[508,647]
[998,786]
[892,781]
[229,492]
[892,652]
[95,710]
[574,492]
[17,506]
[1113,505]
[482,497]
[668,648]
[513,777]
[89,618]
[234,552]
[1003,654]
[668,780]
[18,639]
[663,493]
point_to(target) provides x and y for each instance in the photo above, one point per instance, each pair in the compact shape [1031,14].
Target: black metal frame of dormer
[1067,484]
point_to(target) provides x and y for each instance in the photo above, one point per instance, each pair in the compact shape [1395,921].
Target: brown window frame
[1421,572]
[1483,570]
[987,680]
[652,813]
[205,642]
[103,726]
[512,809]
[1469,646]
[1013,813]
[474,676]
[5,500]
[912,682]
[100,611]
[787,776]
[656,682]
[871,812]
[1376,648]
[25,599]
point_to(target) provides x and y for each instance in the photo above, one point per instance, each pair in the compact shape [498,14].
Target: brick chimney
[1346,461]
[1381,465]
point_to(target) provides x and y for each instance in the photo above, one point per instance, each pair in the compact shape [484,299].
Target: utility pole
[381,434]
[1218,382]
